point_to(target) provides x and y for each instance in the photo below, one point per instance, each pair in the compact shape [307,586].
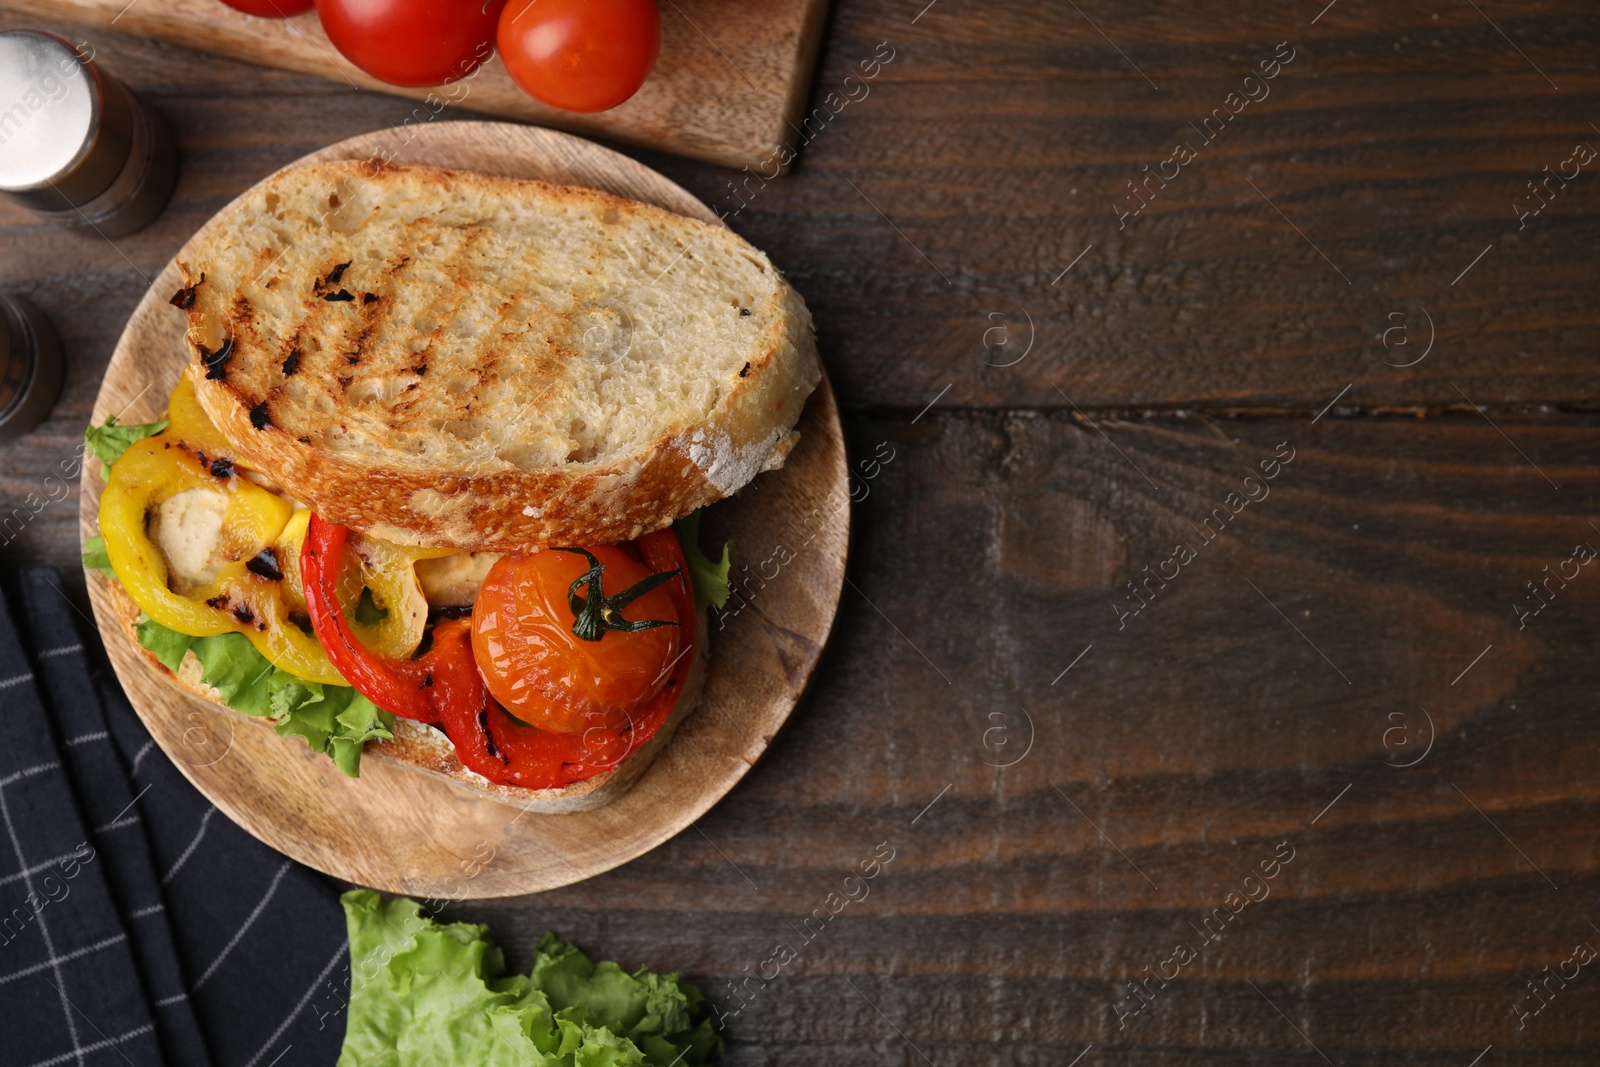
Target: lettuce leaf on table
[334,719]
[430,993]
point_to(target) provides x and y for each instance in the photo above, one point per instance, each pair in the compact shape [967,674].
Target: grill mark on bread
[400,282]
[241,314]
[331,279]
[247,333]
[216,363]
[370,349]
[371,319]
[183,299]
[353,356]
[488,368]
[445,310]
[396,282]
[316,315]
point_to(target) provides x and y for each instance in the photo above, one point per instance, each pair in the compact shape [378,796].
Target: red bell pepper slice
[396,686]
[443,686]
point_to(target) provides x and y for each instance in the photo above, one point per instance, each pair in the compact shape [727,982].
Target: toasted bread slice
[426,750]
[448,358]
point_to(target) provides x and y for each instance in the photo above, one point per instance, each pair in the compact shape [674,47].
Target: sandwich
[429,485]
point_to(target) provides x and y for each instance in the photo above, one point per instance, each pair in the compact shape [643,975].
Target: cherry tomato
[272,9]
[541,671]
[412,42]
[580,55]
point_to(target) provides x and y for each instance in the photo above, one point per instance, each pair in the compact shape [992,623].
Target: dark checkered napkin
[233,954]
[71,990]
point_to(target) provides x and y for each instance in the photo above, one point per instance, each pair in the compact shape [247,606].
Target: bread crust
[425,750]
[493,506]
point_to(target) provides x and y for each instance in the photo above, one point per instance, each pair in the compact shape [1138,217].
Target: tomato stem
[595,613]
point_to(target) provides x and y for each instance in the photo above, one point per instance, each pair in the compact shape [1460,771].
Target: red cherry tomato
[272,9]
[536,665]
[412,42]
[580,55]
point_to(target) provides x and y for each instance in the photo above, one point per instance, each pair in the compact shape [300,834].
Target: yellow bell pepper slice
[150,472]
[189,423]
[282,629]
[192,454]
[293,539]
[388,571]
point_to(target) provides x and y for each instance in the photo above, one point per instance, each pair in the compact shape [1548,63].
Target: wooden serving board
[728,87]
[398,829]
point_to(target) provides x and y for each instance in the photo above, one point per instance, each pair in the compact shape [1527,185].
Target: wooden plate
[401,831]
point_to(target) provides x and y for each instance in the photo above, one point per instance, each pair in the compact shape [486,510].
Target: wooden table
[1270,700]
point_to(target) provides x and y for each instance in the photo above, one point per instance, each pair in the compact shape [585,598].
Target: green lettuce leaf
[95,558]
[169,646]
[710,576]
[110,441]
[230,664]
[334,719]
[429,993]
[651,1010]
[360,721]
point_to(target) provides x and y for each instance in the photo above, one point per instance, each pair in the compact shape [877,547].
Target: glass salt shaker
[75,145]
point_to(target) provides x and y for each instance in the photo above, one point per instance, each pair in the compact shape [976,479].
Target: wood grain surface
[1398,542]
[400,829]
[733,103]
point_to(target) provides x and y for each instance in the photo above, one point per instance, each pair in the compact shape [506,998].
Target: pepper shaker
[30,367]
[75,145]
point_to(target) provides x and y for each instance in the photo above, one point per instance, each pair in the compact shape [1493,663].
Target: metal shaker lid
[65,129]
